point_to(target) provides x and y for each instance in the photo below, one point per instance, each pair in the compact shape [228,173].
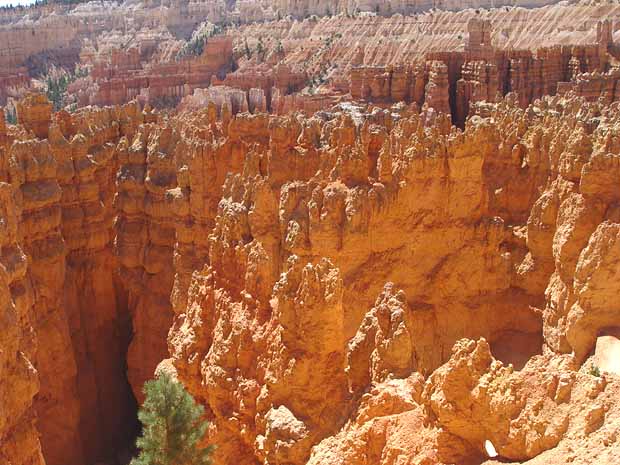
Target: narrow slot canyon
[75,312]
[101,331]
[87,415]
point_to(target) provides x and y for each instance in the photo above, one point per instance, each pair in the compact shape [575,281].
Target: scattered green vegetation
[279,47]
[248,52]
[172,426]
[196,44]
[165,102]
[10,114]
[260,49]
[318,80]
[39,3]
[56,83]
[594,371]
[56,89]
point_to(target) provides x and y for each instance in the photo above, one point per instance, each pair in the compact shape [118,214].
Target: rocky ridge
[361,285]
[407,257]
[303,57]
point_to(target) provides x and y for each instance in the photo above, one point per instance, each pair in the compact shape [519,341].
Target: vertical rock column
[3,136]
[33,171]
[19,382]
[194,203]
[34,112]
[480,82]
[437,88]
[144,246]
[98,316]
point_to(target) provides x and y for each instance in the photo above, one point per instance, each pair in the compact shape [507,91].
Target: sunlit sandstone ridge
[421,263]
[360,286]
[380,52]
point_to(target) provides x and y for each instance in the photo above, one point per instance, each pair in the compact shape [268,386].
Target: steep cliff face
[72,319]
[349,256]
[144,245]
[20,383]
[95,300]
[361,285]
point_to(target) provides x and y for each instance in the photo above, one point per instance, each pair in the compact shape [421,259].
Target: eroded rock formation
[329,282]
[459,234]
[421,263]
[62,278]
[380,52]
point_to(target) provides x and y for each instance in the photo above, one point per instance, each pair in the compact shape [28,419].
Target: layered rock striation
[361,285]
[66,300]
[305,60]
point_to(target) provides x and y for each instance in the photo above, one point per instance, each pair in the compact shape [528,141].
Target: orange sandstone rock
[368,284]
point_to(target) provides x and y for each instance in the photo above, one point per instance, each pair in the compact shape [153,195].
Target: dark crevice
[124,446]
[101,332]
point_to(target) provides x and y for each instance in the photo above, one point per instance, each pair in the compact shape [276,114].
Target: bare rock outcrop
[496,258]
[19,437]
[363,284]
[62,275]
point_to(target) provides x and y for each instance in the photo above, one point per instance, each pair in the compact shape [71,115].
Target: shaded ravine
[75,322]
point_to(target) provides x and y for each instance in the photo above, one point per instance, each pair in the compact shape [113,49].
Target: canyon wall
[320,48]
[484,72]
[122,77]
[271,74]
[69,307]
[354,279]
[20,383]
[349,258]
[413,256]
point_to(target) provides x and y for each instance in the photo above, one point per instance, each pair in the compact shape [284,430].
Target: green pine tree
[248,52]
[260,49]
[172,426]
[10,115]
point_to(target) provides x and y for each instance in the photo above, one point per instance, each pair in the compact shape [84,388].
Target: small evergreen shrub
[248,52]
[10,115]
[196,44]
[260,48]
[279,47]
[172,426]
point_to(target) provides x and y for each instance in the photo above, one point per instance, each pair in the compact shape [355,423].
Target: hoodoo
[356,233]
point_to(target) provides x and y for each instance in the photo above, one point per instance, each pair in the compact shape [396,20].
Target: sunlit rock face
[70,324]
[435,262]
[409,257]
[319,283]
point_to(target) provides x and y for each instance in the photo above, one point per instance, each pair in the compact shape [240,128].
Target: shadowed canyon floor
[352,281]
